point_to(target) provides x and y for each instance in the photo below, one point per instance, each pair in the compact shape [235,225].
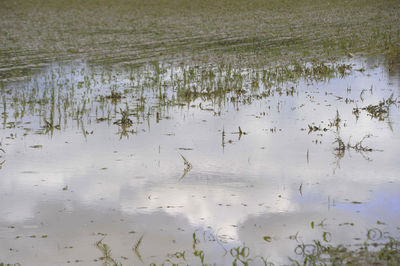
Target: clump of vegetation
[333,123]
[115,96]
[356,112]
[313,128]
[336,121]
[124,120]
[380,111]
[48,126]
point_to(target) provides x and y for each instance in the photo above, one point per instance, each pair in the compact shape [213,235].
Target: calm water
[81,177]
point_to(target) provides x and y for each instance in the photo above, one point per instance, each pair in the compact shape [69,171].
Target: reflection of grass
[188,167]
[136,248]
[341,147]
[2,152]
[376,250]
[379,248]
[107,256]
[359,147]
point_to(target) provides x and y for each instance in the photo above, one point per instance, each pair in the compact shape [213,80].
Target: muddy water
[73,173]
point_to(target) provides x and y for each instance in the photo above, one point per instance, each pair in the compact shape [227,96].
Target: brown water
[83,178]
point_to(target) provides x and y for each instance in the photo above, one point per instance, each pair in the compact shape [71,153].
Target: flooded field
[199,133]
[198,164]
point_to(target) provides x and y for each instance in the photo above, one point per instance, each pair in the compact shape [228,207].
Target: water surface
[234,166]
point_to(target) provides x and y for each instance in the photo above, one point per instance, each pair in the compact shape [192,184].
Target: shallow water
[82,176]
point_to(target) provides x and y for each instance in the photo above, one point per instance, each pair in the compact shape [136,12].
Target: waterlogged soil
[33,33]
[197,164]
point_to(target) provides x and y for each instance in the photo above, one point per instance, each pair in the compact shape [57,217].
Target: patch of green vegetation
[37,32]
[150,91]
[380,111]
[125,120]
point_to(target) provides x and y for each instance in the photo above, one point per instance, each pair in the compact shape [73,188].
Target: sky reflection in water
[272,181]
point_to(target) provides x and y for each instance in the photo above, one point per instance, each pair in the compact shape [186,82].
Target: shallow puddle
[196,164]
